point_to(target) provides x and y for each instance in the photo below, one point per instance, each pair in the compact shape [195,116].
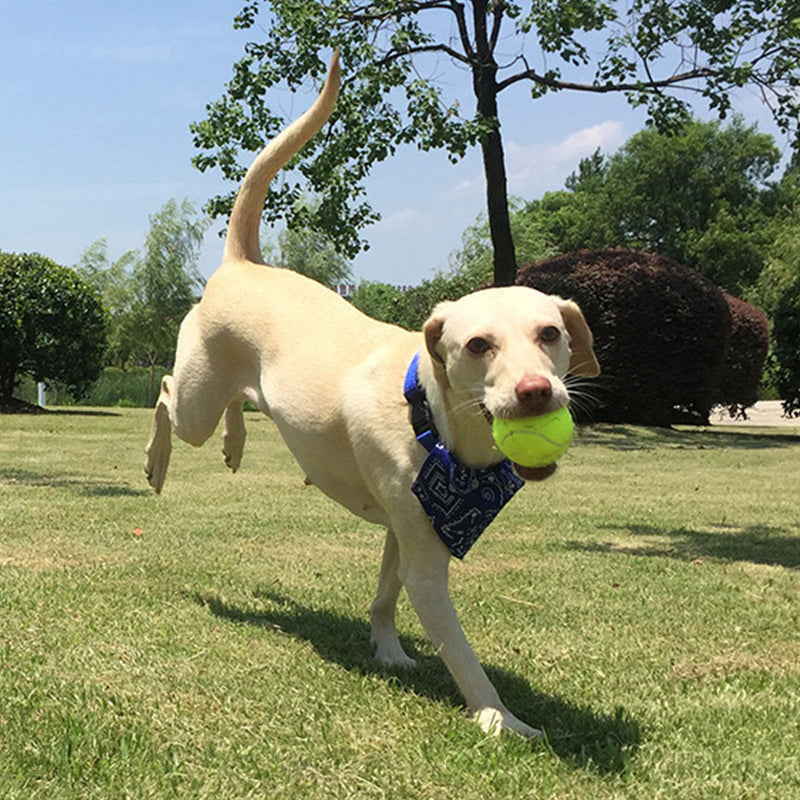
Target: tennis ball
[534,441]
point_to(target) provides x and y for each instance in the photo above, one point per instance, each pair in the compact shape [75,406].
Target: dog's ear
[433,330]
[582,360]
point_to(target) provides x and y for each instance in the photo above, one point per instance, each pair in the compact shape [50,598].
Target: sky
[96,100]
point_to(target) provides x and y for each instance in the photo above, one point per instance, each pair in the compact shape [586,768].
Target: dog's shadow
[578,735]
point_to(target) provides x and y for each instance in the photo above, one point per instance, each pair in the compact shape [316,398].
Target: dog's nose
[534,393]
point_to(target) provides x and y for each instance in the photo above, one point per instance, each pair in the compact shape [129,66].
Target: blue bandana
[460,501]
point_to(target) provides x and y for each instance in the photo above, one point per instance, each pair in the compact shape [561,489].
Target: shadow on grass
[577,735]
[82,486]
[629,437]
[758,544]
[79,411]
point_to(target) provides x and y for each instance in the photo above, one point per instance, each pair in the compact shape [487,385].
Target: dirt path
[765,413]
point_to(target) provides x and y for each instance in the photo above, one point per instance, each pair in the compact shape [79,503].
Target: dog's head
[506,351]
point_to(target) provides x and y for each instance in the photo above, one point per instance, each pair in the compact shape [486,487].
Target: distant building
[347,290]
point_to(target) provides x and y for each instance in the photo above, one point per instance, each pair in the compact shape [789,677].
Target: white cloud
[533,170]
[404,219]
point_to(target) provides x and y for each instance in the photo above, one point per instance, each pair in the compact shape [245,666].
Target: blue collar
[460,501]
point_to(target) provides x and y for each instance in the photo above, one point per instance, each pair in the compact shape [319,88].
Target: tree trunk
[505,259]
[7,382]
[151,383]
[484,76]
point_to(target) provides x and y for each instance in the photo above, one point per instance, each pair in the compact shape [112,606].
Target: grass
[643,606]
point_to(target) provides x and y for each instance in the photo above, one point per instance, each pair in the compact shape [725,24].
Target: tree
[52,325]
[700,196]
[777,292]
[652,49]
[786,352]
[474,259]
[114,283]
[149,292]
[166,282]
[311,253]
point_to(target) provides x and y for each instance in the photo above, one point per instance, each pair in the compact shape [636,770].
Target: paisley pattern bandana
[460,501]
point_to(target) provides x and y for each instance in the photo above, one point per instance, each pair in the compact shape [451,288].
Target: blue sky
[96,99]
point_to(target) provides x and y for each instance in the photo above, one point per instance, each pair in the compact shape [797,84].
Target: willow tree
[661,54]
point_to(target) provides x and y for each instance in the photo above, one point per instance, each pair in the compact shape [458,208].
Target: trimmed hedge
[786,349]
[661,332]
[743,364]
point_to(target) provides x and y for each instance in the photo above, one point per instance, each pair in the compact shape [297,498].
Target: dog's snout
[534,393]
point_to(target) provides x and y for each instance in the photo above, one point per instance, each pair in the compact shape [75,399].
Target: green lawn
[642,606]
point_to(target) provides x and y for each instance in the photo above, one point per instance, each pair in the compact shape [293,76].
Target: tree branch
[364,13]
[463,31]
[499,11]
[393,55]
[606,88]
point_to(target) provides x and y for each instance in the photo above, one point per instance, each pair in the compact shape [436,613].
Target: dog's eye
[549,334]
[478,346]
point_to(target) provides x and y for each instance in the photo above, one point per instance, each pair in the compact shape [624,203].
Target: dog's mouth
[534,473]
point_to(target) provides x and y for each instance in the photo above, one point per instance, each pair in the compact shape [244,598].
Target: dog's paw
[392,656]
[495,721]
[155,472]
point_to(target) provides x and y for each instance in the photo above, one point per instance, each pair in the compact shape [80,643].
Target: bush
[410,309]
[743,364]
[52,325]
[126,388]
[661,331]
[786,349]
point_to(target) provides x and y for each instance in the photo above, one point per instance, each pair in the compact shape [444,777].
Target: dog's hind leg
[233,435]
[159,447]
[386,645]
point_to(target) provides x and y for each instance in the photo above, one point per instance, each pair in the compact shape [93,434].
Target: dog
[332,381]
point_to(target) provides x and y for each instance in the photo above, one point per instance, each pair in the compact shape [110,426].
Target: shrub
[743,363]
[52,325]
[661,331]
[786,349]
[126,388]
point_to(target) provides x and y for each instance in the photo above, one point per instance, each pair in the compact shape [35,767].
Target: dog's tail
[242,241]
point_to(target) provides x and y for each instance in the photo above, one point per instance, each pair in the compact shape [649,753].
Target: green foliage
[651,49]
[114,283]
[377,300]
[699,196]
[308,250]
[786,348]
[114,388]
[411,308]
[474,259]
[776,292]
[366,127]
[148,292]
[52,324]
[165,282]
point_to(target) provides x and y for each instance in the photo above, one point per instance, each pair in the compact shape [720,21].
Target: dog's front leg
[423,568]
[159,447]
[386,645]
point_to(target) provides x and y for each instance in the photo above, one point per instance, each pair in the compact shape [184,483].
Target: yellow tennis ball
[534,441]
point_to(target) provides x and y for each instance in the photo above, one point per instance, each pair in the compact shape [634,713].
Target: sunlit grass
[642,606]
